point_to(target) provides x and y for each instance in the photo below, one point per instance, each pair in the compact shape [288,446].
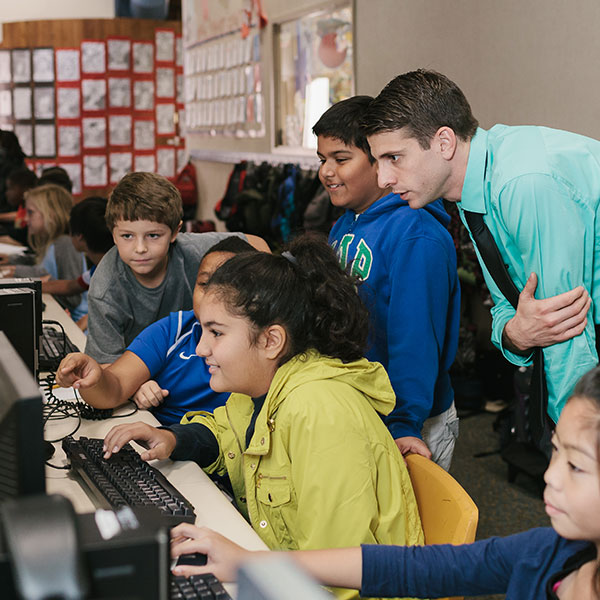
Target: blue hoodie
[407,262]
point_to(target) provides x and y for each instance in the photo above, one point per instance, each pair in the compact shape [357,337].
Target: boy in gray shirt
[152,269]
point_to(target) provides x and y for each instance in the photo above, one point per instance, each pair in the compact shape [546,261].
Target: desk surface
[212,507]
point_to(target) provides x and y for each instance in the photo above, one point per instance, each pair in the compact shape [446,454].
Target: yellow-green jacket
[321,470]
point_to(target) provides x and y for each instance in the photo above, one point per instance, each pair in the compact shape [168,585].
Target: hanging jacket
[407,263]
[321,470]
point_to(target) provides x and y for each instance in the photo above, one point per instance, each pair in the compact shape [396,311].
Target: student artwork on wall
[67,103]
[24,131]
[119,130]
[93,94]
[21,65]
[5,104]
[95,171]
[69,140]
[119,92]
[144,162]
[93,132]
[43,102]
[5,70]
[143,134]
[74,170]
[119,54]
[165,161]
[45,140]
[165,119]
[165,82]
[67,64]
[120,163]
[165,45]
[22,103]
[93,57]
[143,94]
[143,57]
[43,65]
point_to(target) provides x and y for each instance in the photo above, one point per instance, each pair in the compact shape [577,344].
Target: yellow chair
[448,514]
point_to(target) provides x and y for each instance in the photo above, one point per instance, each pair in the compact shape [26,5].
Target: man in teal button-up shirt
[539,192]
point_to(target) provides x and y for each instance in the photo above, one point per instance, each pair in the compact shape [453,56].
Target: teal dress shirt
[539,192]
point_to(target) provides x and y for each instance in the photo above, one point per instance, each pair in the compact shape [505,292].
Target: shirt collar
[472,197]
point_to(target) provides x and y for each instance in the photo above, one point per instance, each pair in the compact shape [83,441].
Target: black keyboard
[207,587]
[126,480]
[54,346]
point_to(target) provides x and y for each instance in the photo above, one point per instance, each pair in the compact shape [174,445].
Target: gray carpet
[504,507]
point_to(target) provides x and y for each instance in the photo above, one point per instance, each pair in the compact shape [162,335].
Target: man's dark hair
[87,219]
[422,101]
[342,121]
[23,177]
[56,175]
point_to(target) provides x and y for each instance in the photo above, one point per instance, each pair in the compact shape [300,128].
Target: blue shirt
[518,565]
[407,263]
[168,349]
[539,192]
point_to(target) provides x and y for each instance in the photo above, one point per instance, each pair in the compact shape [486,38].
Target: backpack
[185,181]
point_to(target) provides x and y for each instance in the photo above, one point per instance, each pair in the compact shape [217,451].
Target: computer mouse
[195,560]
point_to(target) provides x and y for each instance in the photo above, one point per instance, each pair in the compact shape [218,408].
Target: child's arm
[62,287]
[103,388]
[340,567]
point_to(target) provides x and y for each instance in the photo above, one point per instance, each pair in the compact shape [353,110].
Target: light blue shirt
[539,192]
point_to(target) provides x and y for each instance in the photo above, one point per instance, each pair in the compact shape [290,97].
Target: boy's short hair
[422,101]
[88,220]
[23,177]
[58,176]
[342,121]
[145,197]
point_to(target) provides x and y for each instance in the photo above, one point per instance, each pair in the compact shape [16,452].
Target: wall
[32,10]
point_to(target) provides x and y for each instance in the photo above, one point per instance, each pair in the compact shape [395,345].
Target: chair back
[448,514]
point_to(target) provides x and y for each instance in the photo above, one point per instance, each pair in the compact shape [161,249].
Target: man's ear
[445,140]
[273,341]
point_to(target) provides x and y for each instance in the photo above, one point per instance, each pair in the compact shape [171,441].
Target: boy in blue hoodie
[406,261]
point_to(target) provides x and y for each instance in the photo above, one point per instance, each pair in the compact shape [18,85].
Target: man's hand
[223,556]
[79,371]
[546,322]
[413,445]
[149,394]
[160,442]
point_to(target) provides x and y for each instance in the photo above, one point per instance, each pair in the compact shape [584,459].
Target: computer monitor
[36,286]
[22,470]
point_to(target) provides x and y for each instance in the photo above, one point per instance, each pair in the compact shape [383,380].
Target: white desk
[211,506]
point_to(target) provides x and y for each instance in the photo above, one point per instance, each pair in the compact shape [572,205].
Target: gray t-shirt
[120,307]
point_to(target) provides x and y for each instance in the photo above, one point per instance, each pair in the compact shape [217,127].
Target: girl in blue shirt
[544,563]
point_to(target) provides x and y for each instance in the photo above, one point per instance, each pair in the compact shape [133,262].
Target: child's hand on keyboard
[149,394]
[160,442]
[79,371]
[223,556]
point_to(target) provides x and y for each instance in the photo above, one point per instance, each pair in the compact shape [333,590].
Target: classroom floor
[504,508]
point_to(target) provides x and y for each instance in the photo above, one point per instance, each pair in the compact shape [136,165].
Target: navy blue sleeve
[484,567]
[195,442]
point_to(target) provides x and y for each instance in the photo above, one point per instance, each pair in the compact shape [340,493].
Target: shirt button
[243,499]
[263,524]
[231,455]
[262,441]
[253,466]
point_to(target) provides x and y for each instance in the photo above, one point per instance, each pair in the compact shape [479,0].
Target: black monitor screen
[21,427]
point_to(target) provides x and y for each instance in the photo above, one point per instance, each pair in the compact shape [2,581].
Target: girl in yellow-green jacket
[310,461]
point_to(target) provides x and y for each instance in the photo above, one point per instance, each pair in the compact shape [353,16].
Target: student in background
[539,564]
[152,270]
[11,157]
[406,262]
[159,370]
[58,176]
[48,210]
[90,235]
[311,463]
[15,222]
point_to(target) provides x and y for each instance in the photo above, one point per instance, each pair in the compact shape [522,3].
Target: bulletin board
[99,98]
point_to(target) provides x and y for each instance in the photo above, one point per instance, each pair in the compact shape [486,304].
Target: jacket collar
[472,196]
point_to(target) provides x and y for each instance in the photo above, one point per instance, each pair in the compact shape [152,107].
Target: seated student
[18,182]
[161,363]
[152,270]
[58,176]
[543,563]
[90,235]
[406,262]
[48,209]
[311,463]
